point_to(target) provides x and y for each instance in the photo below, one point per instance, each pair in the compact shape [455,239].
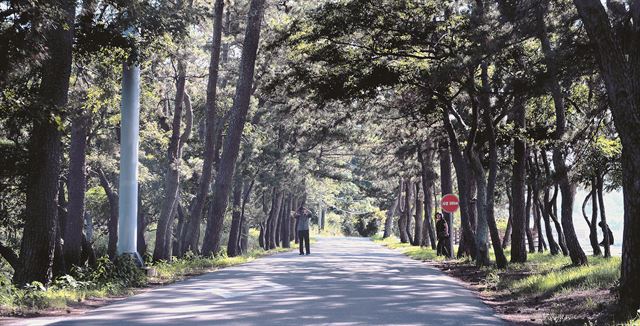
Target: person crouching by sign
[303,215]
[442,232]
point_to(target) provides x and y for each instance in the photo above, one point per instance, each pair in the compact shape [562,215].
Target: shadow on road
[345,282]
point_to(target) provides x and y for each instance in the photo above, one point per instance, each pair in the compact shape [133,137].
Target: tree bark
[270,217]
[417,233]
[237,120]
[603,218]
[593,222]
[538,224]
[234,233]
[286,222]
[59,266]
[72,232]
[190,241]
[41,207]
[142,228]
[388,224]
[404,207]
[244,225]
[273,226]
[520,220]
[112,224]
[428,179]
[162,249]
[532,247]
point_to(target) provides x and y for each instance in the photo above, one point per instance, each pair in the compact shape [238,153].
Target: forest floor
[545,290]
[70,302]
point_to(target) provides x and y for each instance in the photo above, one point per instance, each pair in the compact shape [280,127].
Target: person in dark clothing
[442,232]
[600,224]
[303,216]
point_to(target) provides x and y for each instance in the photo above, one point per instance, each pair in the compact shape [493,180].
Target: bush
[366,225]
[33,295]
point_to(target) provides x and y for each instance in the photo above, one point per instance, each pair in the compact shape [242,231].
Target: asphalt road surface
[345,281]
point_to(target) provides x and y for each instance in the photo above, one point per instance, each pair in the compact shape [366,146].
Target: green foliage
[367,225]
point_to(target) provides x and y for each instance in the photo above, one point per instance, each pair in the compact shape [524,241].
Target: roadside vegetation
[120,277]
[546,289]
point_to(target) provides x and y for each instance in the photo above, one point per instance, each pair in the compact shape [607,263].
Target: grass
[554,274]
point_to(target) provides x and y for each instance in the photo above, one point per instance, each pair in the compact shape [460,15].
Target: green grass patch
[553,275]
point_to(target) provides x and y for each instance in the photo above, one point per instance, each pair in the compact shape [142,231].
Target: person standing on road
[303,216]
[442,232]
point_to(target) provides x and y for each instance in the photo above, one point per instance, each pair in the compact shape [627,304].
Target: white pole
[129,140]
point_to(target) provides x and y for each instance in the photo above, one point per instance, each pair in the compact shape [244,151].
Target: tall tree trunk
[404,208]
[603,217]
[446,185]
[463,176]
[428,176]
[408,211]
[501,259]
[593,222]
[388,223]
[59,266]
[532,247]
[567,187]
[619,65]
[237,120]
[244,225]
[538,215]
[417,234]
[172,179]
[278,223]
[72,232]
[545,212]
[112,224]
[520,219]
[270,217]
[190,241]
[294,222]
[549,208]
[286,222]
[274,221]
[41,207]
[142,228]
[234,233]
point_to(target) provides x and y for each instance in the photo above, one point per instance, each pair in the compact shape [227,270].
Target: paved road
[345,281]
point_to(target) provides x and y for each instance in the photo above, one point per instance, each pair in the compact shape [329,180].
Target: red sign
[450,203]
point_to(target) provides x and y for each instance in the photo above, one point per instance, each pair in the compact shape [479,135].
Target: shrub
[366,225]
[33,295]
